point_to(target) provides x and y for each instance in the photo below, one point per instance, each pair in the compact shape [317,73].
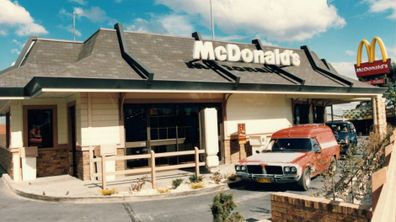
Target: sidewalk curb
[112,199]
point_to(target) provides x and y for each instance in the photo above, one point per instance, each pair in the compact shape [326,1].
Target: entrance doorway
[71,112]
[163,128]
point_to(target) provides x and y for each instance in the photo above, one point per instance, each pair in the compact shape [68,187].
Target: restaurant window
[301,113]
[319,114]
[40,127]
[7,129]
[4,132]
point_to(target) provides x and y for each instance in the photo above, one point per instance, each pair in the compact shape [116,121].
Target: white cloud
[31,29]
[380,6]
[69,28]
[281,20]
[15,51]
[80,2]
[345,68]
[18,47]
[350,52]
[17,43]
[94,14]
[168,24]
[14,16]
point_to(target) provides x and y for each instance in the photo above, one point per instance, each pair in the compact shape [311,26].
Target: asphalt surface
[253,202]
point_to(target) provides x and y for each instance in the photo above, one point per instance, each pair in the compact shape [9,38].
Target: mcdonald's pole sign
[372,67]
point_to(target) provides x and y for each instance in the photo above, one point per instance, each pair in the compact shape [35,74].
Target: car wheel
[305,180]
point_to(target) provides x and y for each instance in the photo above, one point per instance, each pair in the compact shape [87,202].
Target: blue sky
[332,28]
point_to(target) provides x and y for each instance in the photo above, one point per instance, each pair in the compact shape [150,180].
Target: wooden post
[196,161]
[152,165]
[103,172]
[91,164]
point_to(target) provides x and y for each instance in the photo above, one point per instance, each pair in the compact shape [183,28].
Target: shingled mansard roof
[118,60]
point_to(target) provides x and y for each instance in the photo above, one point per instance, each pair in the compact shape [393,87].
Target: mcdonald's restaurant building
[135,92]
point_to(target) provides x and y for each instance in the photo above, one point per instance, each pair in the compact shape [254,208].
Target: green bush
[223,209]
[195,179]
[176,182]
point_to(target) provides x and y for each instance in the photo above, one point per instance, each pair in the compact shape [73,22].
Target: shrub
[223,209]
[108,192]
[197,185]
[176,182]
[195,179]
[353,183]
[138,184]
[216,177]
[232,177]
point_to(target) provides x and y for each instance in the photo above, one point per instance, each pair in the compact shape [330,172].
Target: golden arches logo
[370,49]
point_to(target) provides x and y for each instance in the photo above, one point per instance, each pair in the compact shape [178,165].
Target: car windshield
[291,145]
[340,127]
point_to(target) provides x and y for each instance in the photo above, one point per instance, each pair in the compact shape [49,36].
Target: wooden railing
[384,187]
[152,168]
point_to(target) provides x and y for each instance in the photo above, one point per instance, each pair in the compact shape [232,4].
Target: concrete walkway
[66,188]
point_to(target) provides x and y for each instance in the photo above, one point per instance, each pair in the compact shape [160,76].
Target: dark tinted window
[290,145]
[40,128]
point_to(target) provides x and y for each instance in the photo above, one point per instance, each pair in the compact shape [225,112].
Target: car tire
[305,180]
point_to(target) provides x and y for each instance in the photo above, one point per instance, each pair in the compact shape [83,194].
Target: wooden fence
[384,187]
[152,168]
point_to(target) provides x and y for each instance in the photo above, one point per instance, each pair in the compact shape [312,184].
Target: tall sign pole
[212,20]
[74,26]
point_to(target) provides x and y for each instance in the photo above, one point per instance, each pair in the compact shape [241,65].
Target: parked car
[345,134]
[296,155]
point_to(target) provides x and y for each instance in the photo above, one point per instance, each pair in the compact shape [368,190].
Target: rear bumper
[274,178]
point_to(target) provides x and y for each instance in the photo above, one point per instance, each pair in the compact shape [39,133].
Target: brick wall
[287,207]
[6,161]
[120,164]
[52,162]
[83,164]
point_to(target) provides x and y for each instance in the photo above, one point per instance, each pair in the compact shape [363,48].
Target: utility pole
[212,20]
[74,26]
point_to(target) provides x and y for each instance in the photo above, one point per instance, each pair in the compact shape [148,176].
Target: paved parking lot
[253,202]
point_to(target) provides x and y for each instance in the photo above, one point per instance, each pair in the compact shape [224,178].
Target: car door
[320,157]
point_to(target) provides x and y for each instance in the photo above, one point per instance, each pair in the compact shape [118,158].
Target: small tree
[223,209]
[354,181]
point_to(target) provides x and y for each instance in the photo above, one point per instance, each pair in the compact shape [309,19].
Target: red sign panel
[375,68]
[380,81]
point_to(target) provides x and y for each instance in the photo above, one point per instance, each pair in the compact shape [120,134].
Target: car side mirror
[316,148]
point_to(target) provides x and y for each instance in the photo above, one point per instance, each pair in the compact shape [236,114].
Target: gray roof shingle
[167,56]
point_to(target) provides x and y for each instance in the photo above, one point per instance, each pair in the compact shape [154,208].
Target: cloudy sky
[332,28]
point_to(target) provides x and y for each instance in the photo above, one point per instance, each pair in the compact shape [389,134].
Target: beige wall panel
[262,114]
[16,124]
[102,126]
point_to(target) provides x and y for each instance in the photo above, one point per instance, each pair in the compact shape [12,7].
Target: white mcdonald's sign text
[232,53]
